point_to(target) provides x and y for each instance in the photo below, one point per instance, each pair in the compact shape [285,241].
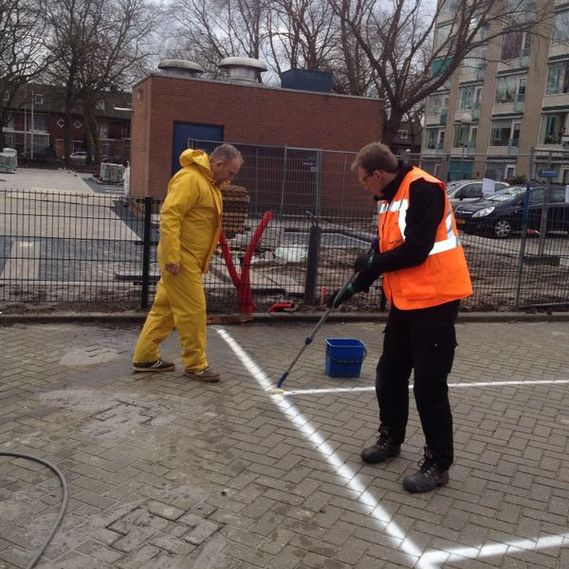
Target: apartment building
[504,113]
[36,123]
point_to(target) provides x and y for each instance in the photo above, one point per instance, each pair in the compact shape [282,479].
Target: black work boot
[384,448]
[429,476]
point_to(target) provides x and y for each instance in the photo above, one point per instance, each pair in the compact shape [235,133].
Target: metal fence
[98,253]
[288,179]
[285,179]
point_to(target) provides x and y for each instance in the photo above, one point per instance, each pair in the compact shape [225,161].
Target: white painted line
[473,384]
[437,558]
[367,501]
[369,504]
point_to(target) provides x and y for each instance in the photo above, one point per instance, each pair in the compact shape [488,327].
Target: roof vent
[243,69]
[180,67]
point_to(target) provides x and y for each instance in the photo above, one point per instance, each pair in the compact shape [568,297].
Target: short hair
[375,156]
[226,153]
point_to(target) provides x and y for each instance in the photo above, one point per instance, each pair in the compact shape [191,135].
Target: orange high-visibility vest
[444,275]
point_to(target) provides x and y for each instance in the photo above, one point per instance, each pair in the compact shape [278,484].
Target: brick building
[290,138]
[36,124]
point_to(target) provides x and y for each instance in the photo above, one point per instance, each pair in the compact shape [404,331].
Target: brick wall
[251,114]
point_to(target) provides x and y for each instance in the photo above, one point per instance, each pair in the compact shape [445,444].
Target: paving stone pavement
[166,473]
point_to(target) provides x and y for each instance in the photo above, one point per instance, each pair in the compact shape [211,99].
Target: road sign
[547,173]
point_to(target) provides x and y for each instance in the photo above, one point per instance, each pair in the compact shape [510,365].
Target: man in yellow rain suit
[190,221]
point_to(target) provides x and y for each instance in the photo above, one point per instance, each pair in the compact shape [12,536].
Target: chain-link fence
[98,253]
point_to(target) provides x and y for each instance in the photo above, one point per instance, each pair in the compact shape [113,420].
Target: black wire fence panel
[71,250]
[98,253]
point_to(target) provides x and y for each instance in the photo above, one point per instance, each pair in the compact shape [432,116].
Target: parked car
[78,156]
[502,213]
[460,191]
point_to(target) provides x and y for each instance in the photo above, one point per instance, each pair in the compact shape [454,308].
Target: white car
[462,191]
[78,156]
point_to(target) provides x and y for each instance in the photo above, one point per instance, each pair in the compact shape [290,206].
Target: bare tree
[397,39]
[303,34]
[207,31]
[21,56]
[99,46]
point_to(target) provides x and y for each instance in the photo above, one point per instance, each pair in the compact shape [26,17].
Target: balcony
[475,111]
[480,73]
[519,103]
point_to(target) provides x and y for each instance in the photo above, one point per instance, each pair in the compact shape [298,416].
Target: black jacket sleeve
[426,209]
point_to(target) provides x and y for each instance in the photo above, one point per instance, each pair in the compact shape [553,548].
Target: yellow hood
[197,158]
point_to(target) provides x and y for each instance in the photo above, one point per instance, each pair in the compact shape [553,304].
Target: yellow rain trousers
[190,220]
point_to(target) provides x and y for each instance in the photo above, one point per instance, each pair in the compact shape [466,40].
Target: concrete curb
[139,317]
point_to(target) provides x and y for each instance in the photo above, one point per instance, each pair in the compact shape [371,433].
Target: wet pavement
[165,472]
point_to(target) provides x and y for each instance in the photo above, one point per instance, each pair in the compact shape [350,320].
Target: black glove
[331,301]
[363,262]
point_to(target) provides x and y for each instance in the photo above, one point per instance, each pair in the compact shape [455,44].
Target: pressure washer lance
[278,389]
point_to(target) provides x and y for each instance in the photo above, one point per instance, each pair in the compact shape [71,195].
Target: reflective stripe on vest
[402,206]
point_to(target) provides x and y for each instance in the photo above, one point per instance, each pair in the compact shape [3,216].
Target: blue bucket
[344,357]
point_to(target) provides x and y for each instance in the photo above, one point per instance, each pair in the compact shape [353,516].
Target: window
[439,65]
[38,99]
[465,98]
[461,135]
[521,95]
[561,28]
[437,103]
[471,191]
[103,129]
[515,44]
[432,137]
[100,105]
[505,133]
[442,34]
[477,95]
[558,78]
[435,138]
[553,128]
[476,59]
[464,136]
[403,134]
[510,88]
[473,133]
[521,11]
[449,6]
[40,123]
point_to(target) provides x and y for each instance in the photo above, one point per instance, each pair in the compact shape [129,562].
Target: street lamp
[464,121]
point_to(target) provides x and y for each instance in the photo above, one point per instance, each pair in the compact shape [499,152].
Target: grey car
[462,191]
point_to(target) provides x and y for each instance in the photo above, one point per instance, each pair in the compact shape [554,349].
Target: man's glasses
[362,180]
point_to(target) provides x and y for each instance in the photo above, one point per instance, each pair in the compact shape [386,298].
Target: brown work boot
[155,366]
[205,374]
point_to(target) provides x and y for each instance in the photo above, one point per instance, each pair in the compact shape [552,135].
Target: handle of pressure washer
[310,337]
[323,319]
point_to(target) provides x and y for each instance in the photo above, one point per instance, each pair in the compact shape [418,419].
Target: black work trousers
[422,341]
